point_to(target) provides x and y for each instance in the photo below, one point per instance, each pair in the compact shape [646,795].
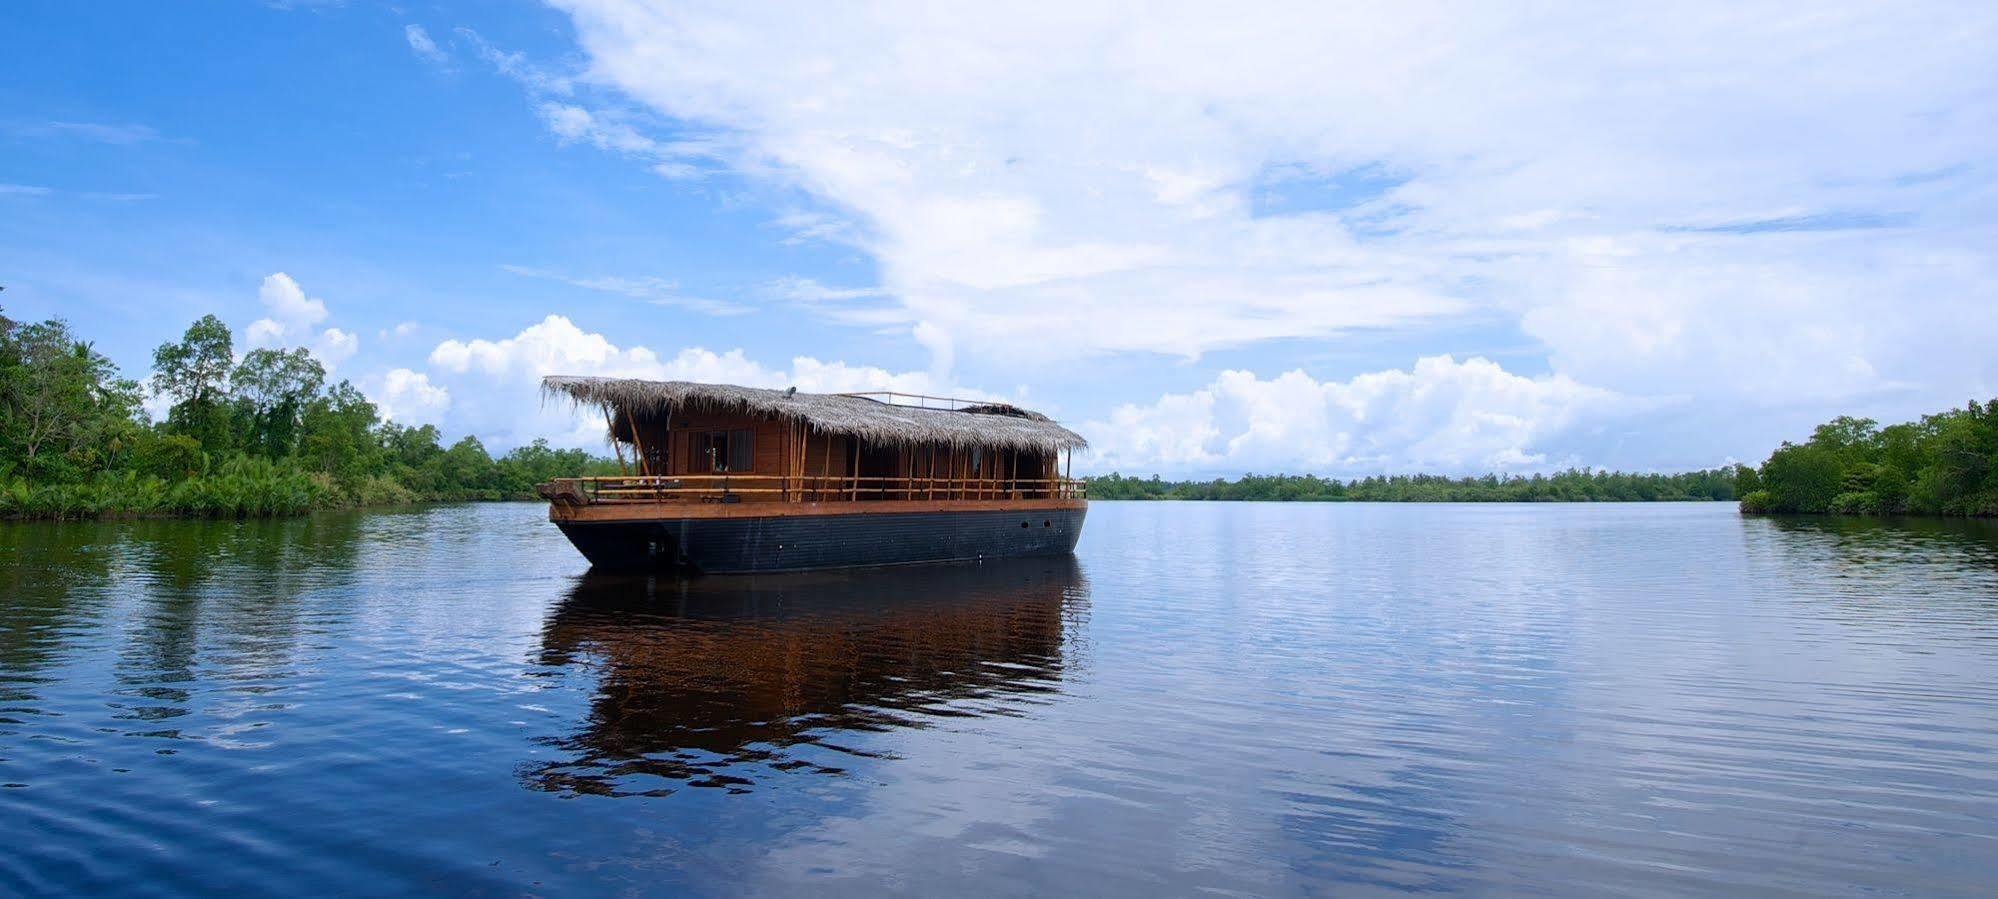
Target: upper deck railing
[920,401]
[803,488]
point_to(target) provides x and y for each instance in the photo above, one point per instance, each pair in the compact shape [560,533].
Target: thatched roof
[993,425]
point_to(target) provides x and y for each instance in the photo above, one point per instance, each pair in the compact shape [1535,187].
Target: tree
[63,408]
[1802,478]
[1851,438]
[338,434]
[272,389]
[466,467]
[195,373]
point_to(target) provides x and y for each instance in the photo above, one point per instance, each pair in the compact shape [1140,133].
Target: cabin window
[726,450]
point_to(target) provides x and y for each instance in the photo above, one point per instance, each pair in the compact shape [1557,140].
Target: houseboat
[724,479]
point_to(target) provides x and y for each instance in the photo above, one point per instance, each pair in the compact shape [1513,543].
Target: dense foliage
[1944,464]
[263,434]
[1574,485]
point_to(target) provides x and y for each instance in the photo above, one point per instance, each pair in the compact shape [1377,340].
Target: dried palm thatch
[993,425]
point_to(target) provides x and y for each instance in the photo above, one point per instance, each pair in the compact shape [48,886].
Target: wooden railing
[807,488]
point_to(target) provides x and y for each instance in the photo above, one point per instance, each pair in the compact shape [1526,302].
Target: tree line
[1942,464]
[266,434]
[263,434]
[1573,485]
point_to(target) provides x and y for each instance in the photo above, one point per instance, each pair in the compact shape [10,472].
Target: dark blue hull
[805,542]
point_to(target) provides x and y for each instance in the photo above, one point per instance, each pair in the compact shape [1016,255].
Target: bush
[170,457]
[1802,478]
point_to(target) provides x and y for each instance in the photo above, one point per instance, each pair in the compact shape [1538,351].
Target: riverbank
[1571,486]
[243,488]
[1940,465]
[259,436]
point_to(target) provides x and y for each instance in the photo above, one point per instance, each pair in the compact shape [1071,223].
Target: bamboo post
[638,450]
[1013,481]
[616,447]
[856,470]
[666,458]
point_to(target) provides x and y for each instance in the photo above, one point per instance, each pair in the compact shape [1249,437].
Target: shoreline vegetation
[265,435]
[1571,486]
[259,436]
[1944,465]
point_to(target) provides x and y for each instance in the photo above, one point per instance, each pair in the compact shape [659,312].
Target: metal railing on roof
[920,401]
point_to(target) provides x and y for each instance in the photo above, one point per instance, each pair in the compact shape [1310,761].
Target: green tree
[272,389]
[1802,478]
[338,435]
[195,374]
[64,412]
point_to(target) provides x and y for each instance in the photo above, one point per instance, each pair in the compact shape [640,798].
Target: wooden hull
[755,537]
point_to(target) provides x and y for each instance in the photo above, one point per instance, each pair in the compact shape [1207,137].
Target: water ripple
[1231,699]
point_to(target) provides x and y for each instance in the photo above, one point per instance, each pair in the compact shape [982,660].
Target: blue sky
[1343,241]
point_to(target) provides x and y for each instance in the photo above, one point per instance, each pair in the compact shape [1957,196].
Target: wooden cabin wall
[671,452]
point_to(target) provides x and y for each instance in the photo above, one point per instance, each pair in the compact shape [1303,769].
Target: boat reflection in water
[718,682]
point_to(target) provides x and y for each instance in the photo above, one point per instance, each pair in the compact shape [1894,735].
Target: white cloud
[23,190]
[288,304]
[291,318]
[424,48]
[1441,416]
[657,291]
[809,290]
[408,397]
[334,346]
[265,332]
[1065,179]
[500,401]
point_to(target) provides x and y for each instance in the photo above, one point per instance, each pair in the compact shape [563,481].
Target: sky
[1347,239]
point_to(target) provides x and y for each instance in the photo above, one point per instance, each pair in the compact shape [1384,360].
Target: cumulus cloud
[1442,416]
[334,346]
[290,318]
[500,397]
[408,397]
[288,305]
[1700,200]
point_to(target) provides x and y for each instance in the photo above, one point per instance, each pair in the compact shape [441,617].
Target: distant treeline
[263,435]
[1944,464]
[1571,486]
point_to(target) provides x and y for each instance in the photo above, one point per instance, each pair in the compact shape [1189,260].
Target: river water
[1247,699]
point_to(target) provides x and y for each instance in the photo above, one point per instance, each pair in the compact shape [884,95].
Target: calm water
[1210,698]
